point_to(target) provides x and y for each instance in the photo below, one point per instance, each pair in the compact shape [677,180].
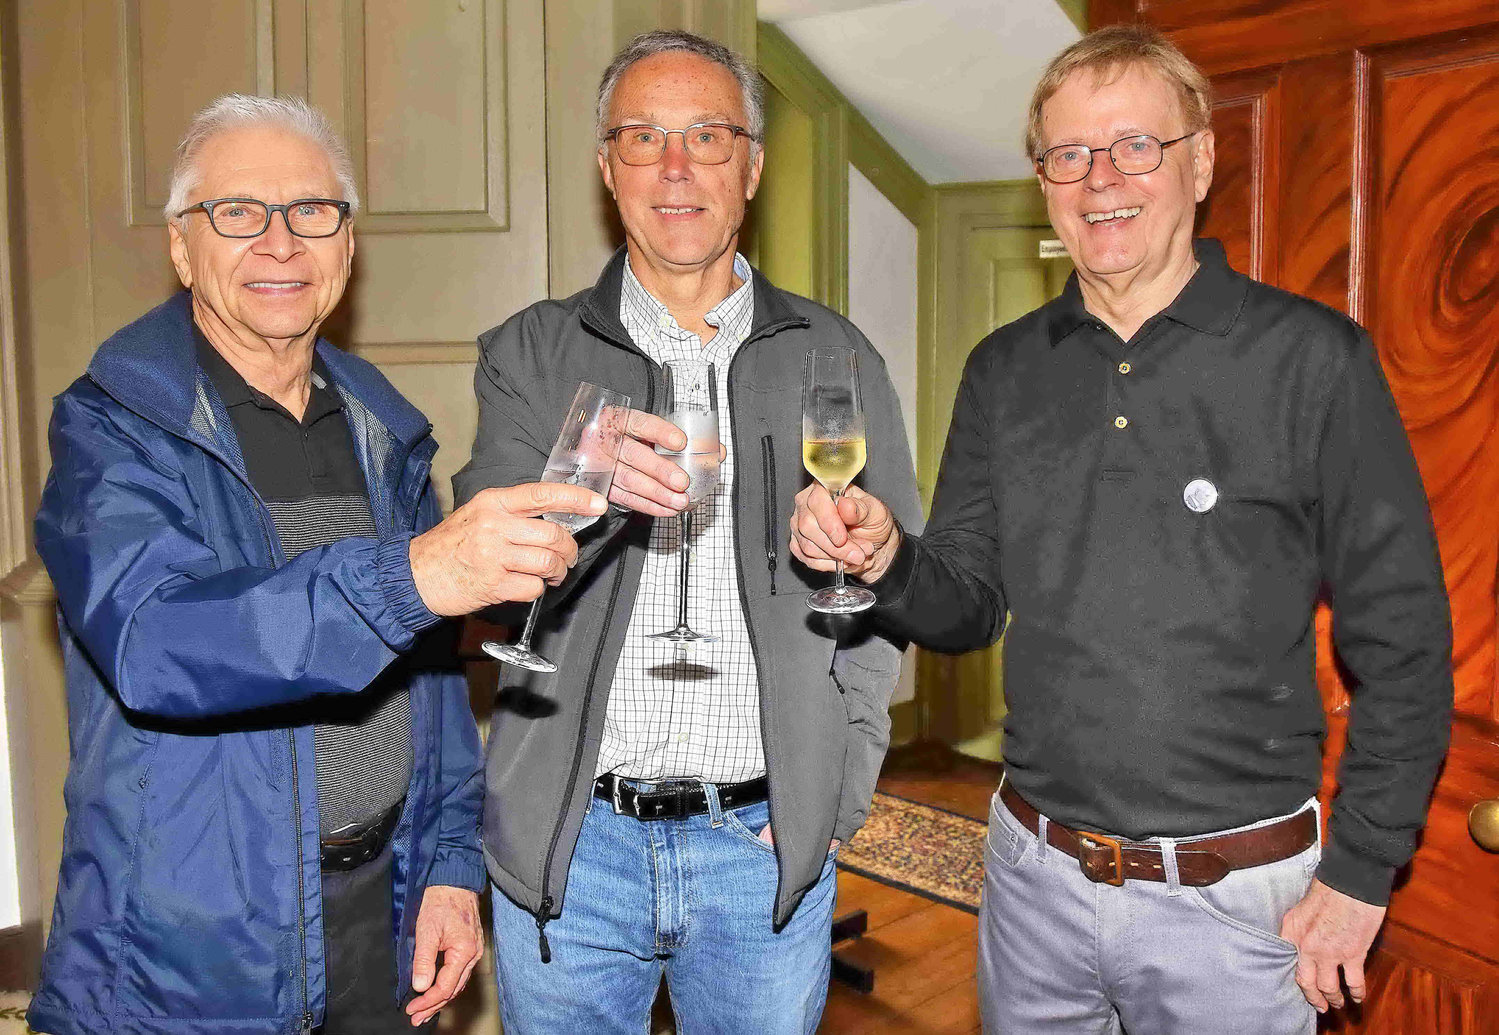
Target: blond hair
[1111,51]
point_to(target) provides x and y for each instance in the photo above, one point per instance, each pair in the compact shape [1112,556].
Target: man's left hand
[1331,930]
[448,923]
[770,839]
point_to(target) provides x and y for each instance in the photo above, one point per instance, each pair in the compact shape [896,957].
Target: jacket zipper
[768,471]
[544,910]
[749,625]
[296,816]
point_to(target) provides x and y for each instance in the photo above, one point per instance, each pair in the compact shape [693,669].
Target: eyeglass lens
[250,218]
[1133,156]
[644,145]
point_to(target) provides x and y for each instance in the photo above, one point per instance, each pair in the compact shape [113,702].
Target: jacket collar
[600,308]
[1210,302]
[151,366]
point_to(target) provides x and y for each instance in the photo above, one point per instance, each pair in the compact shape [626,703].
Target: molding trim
[495,216]
[28,584]
[787,69]
[389,353]
[13,515]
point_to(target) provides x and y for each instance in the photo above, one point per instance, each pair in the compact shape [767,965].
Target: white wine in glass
[584,454]
[690,401]
[833,451]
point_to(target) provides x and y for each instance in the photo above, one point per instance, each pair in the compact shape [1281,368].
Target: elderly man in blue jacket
[274,787]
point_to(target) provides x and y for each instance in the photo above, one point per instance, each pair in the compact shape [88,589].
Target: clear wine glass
[584,454]
[690,401]
[833,450]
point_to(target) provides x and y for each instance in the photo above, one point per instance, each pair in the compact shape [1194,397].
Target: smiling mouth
[676,210]
[275,285]
[1112,216]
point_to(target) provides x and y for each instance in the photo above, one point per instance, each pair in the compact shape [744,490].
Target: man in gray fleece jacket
[648,814]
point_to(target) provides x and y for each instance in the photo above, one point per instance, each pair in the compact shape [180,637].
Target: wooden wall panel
[1435,222]
[1246,169]
[220,49]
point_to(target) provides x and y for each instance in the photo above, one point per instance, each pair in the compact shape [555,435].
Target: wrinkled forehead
[1111,101]
[244,160]
[680,85]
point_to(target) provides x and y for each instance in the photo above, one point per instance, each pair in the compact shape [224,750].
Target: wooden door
[989,272]
[1357,165]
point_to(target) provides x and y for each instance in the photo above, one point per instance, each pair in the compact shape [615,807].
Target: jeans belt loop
[1168,863]
[715,807]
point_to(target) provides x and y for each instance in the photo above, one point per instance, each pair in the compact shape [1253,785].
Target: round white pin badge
[1200,495]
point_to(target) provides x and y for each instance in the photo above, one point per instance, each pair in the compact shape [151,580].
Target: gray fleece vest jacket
[825,681]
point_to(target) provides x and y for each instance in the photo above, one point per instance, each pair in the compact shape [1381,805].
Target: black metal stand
[850,927]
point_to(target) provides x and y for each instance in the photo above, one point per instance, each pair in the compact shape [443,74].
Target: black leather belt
[676,799]
[347,853]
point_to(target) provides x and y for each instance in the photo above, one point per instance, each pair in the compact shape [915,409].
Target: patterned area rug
[13,1013]
[920,848]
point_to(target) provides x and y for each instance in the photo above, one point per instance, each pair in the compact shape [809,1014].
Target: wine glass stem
[525,636]
[838,586]
[686,519]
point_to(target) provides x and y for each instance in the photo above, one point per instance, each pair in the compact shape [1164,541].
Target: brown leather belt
[1199,862]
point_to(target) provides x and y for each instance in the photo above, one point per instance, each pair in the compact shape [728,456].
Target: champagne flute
[833,450]
[584,454]
[690,401]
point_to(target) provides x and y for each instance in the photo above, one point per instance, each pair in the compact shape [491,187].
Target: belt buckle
[1088,842]
[619,810]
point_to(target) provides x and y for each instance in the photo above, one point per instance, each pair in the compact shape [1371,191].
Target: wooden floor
[922,952]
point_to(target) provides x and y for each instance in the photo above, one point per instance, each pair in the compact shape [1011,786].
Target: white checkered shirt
[697,718]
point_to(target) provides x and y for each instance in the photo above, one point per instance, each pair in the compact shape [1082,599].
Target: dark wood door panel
[1246,170]
[1433,278]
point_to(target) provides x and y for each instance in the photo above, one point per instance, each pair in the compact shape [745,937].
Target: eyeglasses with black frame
[707,143]
[247,217]
[1133,156]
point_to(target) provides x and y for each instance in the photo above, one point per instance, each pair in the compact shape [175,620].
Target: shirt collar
[234,390]
[640,310]
[1210,302]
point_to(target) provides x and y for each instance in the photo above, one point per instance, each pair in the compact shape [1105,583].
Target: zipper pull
[306,1023]
[543,917]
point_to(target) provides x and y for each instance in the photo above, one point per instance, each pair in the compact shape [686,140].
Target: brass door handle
[1483,824]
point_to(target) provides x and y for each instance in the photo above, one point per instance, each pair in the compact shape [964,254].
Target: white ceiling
[945,82]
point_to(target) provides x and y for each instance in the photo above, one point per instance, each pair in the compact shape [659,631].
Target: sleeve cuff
[892,586]
[458,868]
[1355,874]
[393,559]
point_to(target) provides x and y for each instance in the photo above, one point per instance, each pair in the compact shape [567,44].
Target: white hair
[238,110]
[663,41]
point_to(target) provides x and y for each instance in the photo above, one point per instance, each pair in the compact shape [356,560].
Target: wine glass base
[514,654]
[682,634]
[845,601]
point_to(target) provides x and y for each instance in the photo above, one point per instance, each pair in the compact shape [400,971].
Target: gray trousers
[1058,953]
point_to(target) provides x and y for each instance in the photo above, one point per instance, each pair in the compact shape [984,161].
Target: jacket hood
[150,367]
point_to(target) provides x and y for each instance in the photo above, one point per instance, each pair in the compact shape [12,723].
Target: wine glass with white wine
[584,454]
[833,450]
[690,401]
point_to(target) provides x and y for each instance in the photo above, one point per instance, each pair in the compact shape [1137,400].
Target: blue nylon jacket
[189,895]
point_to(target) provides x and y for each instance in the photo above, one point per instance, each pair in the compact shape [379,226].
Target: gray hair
[237,110]
[663,41]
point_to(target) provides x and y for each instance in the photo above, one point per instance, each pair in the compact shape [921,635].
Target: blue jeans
[1059,954]
[688,898]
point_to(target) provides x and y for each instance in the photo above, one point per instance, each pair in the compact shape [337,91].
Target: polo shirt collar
[1210,302]
[234,390]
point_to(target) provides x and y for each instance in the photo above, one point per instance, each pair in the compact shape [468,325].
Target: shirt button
[1121,422]
[1124,368]
[681,738]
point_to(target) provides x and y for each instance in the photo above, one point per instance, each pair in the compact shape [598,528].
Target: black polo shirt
[1159,518]
[309,476]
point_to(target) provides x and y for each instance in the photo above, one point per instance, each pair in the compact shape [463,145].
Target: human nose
[675,162]
[1103,173]
[278,240]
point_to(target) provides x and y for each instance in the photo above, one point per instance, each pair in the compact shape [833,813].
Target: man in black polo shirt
[1154,476]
